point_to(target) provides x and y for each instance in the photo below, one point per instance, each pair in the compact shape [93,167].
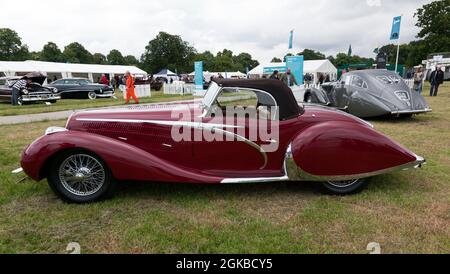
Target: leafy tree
[434,20]
[391,52]
[310,54]
[131,60]
[99,59]
[11,48]
[115,58]
[417,53]
[244,61]
[168,51]
[276,60]
[51,53]
[343,59]
[208,60]
[76,53]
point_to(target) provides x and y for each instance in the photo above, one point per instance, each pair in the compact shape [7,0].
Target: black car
[33,93]
[81,88]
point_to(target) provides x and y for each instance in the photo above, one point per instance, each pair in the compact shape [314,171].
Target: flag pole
[398,50]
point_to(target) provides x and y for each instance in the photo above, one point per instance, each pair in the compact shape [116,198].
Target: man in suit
[436,79]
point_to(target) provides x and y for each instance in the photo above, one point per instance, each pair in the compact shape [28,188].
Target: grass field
[8,110]
[406,212]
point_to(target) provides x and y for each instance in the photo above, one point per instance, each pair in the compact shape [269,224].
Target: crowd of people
[289,79]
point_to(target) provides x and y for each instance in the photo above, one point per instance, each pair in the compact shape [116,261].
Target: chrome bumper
[106,94]
[418,111]
[39,98]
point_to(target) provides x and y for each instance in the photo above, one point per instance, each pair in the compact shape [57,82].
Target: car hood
[317,113]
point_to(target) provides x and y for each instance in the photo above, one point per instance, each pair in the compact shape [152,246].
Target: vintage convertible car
[34,92]
[83,161]
[369,93]
[81,88]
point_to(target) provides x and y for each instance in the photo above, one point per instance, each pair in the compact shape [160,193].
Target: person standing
[418,80]
[17,88]
[275,75]
[436,79]
[289,79]
[104,80]
[130,88]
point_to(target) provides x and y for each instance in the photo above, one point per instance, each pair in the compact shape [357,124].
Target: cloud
[255,26]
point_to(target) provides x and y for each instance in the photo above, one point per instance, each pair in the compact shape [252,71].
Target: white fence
[141,91]
[178,88]
[410,83]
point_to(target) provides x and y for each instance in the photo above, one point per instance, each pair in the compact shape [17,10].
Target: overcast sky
[258,27]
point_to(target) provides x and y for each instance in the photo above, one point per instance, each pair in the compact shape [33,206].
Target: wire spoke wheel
[82,175]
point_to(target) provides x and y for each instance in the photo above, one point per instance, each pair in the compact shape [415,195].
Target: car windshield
[211,95]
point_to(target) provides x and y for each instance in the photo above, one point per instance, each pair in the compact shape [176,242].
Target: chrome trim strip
[255,180]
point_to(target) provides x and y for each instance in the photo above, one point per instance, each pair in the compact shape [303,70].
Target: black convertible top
[286,101]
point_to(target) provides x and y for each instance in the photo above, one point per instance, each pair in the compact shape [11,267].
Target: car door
[232,144]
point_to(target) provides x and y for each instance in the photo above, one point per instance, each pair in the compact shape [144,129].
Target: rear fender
[125,161]
[338,150]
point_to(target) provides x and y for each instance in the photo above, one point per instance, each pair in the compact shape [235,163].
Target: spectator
[289,79]
[321,78]
[117,80]
[220,76]
[54,78]
[130,88]
[436,79]
[104,80]
[327,79]
[308,79]
[17,88]
[275,75]
[418,80]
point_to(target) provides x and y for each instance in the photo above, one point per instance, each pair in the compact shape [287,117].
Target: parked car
[34,92]
[83,161]
[81,88]
[369,93]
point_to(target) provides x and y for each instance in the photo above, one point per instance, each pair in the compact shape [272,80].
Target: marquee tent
[66,70]
[167,74]
[312,66]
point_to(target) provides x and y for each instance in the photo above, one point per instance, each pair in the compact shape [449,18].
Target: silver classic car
[369,93]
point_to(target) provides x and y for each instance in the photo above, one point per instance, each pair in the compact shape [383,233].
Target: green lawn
[406,212]
[66,104]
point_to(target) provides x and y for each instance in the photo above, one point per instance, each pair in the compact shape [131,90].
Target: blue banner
[199,75]
[295,63]
[291,39]
[395,33]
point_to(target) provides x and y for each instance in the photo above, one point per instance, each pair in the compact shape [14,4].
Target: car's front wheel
[79,176]
[92,95]
[345,187]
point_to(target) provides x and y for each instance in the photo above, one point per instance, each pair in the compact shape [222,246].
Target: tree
[11,48]
[244,61]
[76,53]
[310,54]
[168,51]
[99,59]
[343,59]
[208,60]
[276,60]
[51,53]
[434,20]
[131,60]
[115,57]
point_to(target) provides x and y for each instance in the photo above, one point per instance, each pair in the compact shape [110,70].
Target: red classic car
[213,142]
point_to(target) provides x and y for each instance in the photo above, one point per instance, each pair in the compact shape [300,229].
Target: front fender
[342,150]
[125,161]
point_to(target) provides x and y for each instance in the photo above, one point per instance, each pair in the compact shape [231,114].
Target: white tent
[67,70]
[312,66]
[227,75]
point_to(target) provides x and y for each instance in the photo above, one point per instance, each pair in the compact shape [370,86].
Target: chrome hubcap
[82,175]
[342,184]
[92,95]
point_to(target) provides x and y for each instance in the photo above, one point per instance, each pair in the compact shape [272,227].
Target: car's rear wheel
[80,177]
[92,95]
[345,187]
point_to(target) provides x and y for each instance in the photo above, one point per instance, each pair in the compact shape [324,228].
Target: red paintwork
[324,143]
